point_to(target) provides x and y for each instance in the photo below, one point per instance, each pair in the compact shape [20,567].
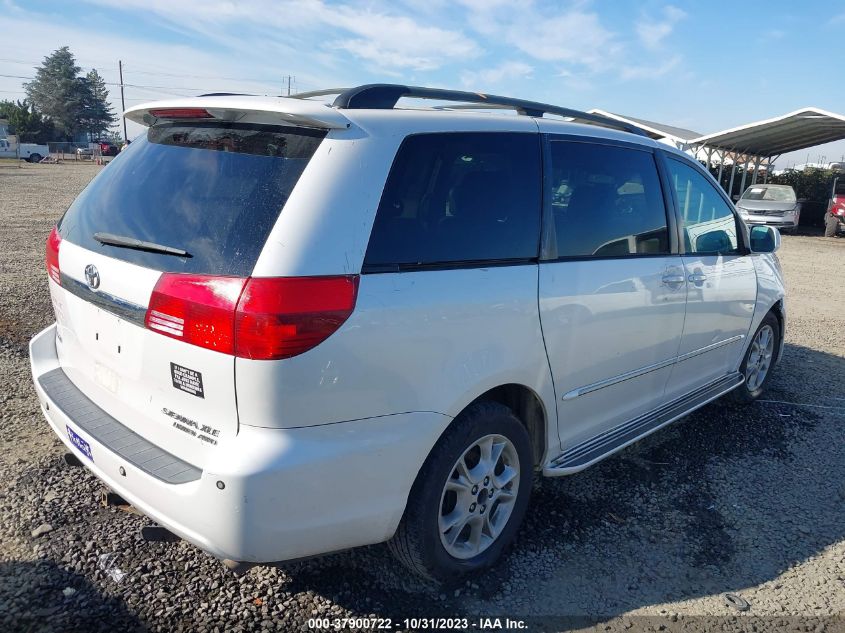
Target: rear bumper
[268,495]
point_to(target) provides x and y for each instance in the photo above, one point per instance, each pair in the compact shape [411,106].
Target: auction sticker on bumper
[83,446]
[188,380]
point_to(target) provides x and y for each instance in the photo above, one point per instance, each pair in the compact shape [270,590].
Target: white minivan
[286,327]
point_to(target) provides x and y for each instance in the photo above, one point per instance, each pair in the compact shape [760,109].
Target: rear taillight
[286,316]
[197,309]
[52,258]
[258,318]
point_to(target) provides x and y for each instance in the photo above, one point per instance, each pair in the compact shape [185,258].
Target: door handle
[697,278]
[670,279]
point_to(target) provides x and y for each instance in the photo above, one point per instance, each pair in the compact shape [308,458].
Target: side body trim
[634,373]
[597,448]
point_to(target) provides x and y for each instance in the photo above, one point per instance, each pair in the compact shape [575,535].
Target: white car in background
[771,205]
[30,152]
[285,328]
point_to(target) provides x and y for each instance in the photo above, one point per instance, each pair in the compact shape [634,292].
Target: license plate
[83,446]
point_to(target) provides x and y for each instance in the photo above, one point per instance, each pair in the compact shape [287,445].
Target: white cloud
[563,35]
[375,33]
[647,71]
[652,32]
[573,37]
[507,71]
[399,41]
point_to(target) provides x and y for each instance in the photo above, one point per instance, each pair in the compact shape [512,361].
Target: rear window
[214,190]
[459,199]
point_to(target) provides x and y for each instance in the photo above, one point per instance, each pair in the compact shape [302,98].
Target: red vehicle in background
[107,148]
[834,219]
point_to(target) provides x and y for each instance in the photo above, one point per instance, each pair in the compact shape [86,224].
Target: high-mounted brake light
[52,258]
[181,113]
[258,318]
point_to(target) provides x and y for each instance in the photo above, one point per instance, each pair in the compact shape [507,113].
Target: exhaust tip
[71,460]
[238,567]
[109,498]
[158,534]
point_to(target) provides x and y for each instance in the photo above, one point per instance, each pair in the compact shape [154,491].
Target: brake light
[258,318]
[52,258]
[181,113]
[197,309]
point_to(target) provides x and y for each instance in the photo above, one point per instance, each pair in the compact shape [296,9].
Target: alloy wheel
[760,358]
[479,496]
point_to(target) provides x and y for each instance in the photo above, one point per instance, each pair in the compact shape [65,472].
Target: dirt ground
[747,501]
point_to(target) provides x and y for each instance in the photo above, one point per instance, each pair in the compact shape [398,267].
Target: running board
[597,448]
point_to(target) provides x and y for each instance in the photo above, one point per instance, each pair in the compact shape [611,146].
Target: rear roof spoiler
[237,107]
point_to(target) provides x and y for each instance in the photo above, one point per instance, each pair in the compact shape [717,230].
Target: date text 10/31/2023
[418,624]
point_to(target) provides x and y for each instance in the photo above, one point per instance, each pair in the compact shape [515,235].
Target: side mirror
[764,239]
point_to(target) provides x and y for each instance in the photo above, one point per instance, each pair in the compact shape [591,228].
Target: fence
[65,150]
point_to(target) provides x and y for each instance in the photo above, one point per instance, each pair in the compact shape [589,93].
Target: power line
[117,83]
[161,74]
[132,68]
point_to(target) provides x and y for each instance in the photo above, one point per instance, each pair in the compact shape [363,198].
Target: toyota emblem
[92,276]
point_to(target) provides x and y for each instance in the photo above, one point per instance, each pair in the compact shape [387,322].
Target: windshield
[774,194]
[214,190]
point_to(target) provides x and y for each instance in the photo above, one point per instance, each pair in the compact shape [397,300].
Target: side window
[707,222]
[459,197]
[606,201]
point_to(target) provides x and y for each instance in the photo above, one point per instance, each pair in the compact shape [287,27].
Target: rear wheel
[759,358]
[35,158]
[470,496]
[831,225]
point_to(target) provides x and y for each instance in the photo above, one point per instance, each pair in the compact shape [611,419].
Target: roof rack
[318,93]
[385,97]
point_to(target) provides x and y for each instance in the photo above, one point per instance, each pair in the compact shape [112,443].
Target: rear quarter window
[459,199]
[214,190]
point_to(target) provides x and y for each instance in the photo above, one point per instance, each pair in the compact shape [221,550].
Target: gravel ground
[747,501]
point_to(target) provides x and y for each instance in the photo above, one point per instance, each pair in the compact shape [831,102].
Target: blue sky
[700,65]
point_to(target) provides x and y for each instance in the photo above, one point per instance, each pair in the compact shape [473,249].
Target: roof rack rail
[386,96]
[317,93]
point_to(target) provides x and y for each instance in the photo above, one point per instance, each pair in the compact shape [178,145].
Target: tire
[831,225]
[439,492]
[34,158]
[754,385]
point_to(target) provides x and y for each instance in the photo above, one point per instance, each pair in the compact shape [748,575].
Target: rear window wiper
[139,245]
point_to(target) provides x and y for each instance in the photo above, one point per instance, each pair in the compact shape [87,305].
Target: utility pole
[288,85]
[122,100]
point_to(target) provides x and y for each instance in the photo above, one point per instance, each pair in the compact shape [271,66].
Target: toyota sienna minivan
[286,327]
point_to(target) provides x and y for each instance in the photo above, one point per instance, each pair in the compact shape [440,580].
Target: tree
[29,125]
[57,92]
[97,113]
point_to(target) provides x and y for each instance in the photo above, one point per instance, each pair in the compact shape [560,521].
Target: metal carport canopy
[797,130]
